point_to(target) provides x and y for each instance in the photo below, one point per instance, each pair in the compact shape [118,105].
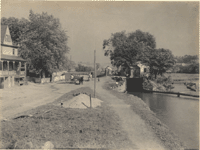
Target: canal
[180,114]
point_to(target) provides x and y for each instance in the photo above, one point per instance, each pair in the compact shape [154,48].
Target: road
[18,99]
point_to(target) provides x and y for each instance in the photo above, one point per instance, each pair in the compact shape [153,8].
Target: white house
[138,70]
[12,66]
[108,70]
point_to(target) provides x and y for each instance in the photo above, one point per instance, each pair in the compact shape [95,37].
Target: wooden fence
[174,93]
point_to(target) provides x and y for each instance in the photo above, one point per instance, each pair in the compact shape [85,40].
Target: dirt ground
[18,99]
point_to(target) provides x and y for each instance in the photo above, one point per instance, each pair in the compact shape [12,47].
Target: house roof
[11,58]
[15,46]
[108,68]
[3,32]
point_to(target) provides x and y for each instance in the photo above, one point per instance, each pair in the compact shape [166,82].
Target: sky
[175,25]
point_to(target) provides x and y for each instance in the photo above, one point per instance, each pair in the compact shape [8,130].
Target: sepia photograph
[99,75]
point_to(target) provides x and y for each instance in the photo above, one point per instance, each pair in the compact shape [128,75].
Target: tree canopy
[16,27]
[159,60]
[127,49]
[43,42]
[188,59]
[82,68]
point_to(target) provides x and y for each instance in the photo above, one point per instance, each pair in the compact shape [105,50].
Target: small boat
[191,87]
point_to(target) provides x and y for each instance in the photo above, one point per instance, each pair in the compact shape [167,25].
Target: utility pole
[94,73]
[70,63]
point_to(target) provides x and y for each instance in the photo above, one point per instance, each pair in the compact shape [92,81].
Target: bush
[160,83]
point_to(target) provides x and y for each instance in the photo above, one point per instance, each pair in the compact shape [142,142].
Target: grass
[170,140]
[64,127]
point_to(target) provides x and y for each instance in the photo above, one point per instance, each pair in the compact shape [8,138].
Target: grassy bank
[65,127]
[169,139]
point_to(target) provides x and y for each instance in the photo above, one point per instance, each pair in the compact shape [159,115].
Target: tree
[98,66]
[159,61]
[16,27]
[82,68]
[126,49]
[44,43]
[188,59]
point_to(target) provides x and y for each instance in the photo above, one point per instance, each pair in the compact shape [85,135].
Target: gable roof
[108,67]
[3,32]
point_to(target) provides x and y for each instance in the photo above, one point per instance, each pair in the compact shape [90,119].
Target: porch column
[25,71]
[2,65]
[14,65]
[8,66]
[14,73]
[20,64]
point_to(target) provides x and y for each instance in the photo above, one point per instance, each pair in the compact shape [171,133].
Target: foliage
[125,49]
[82,68]
[159,60]
[98,66]
[16,27]
[161,83]
[188,59]
[44,43]
[192,68]
[69,65]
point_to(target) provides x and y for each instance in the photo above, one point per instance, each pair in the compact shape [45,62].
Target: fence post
[90,101]
[178,94]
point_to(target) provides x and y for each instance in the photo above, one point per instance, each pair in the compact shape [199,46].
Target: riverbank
[168,138]
[65,127]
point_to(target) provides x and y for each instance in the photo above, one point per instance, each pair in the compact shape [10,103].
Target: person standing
[72,77]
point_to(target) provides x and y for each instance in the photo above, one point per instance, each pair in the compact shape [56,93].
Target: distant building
[138,70]
[12,67]
[108,70]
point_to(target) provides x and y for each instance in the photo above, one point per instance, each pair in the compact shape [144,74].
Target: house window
[8,38]
[13,51]
[145,69]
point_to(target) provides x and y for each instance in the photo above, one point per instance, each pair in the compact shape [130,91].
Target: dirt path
[16,100]
[137,130]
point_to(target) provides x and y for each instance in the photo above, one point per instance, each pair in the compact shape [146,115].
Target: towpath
[138,132]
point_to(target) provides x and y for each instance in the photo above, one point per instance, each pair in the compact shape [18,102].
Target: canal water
[180,114]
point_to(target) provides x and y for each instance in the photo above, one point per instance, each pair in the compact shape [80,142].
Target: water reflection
[181,115]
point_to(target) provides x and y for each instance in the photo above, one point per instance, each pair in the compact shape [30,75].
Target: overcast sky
[173,24]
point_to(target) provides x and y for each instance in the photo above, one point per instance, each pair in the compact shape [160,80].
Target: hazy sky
[174,24]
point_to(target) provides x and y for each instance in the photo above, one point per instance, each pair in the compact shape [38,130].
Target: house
[108,70]
[12,67]
[138,70]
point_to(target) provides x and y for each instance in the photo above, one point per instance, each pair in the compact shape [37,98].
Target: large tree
[44,43]
[159,60]
[126,49]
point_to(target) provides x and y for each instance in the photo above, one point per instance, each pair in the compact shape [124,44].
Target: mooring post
[178,94]
[90,101]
